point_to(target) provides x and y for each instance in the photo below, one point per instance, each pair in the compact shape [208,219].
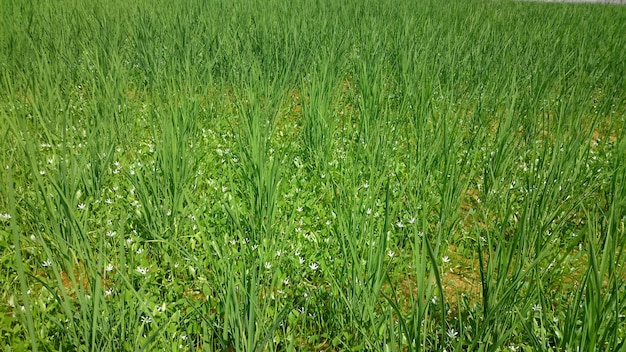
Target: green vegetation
[312,175]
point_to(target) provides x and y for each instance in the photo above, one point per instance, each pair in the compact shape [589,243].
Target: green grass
[271,176]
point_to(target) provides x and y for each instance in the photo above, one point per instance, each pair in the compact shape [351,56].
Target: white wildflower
[452,333]
[142,270]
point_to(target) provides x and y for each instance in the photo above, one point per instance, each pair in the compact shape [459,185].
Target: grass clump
[270,176]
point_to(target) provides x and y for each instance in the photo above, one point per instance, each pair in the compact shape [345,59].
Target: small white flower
[286,281]
[313,266]
[412,220]
[434,300]
[268,265]
[5,216]
[108,292]
[366,185]
[400,224]
[146,319]
[452,333]
[81,206]
[278,253]
[445,259]
[142,270]
[139,251]
[46,263]
[390,253]
[42,172]
[110,233]
[536,308]
[299,209]
[301,260]
[368,211]
[109,267]
[108,201]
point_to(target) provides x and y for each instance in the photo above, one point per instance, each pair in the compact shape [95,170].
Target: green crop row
[312,175]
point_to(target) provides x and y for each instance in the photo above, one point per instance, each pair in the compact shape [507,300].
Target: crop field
[266,175]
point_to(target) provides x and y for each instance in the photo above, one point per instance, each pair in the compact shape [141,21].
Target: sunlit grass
[275,176]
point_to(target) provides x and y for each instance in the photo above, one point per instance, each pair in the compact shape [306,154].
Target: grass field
[312,176]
